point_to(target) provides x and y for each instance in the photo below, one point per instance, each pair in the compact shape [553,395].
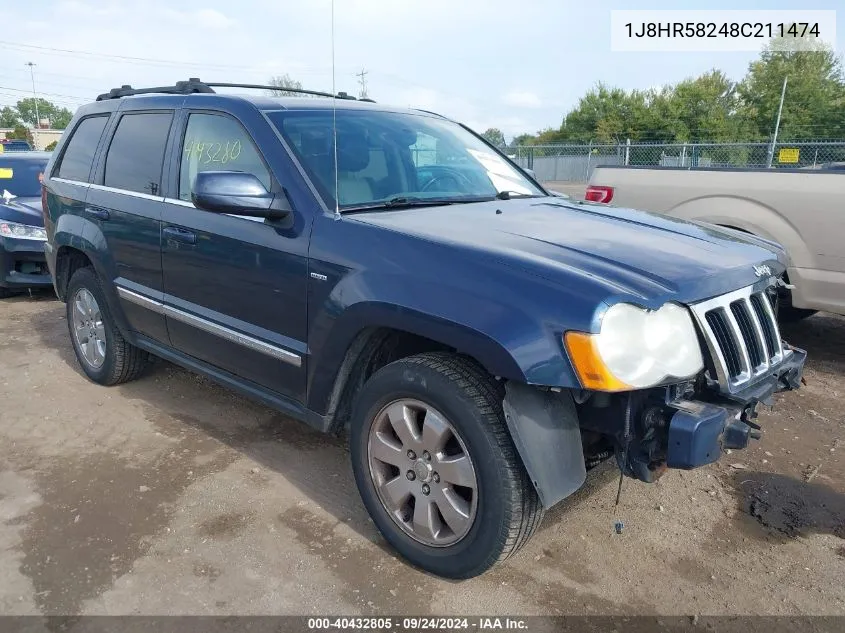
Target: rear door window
[78,156]
[136,154]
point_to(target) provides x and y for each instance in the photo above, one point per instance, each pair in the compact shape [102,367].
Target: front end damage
[679,426]
[562,433]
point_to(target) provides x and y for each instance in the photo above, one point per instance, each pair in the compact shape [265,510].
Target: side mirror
[239,193]
[531,173]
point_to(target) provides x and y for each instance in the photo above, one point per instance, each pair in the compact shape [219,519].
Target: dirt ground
[171,495]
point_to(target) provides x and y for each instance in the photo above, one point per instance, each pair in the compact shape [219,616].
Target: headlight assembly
[22,231]
[636,348]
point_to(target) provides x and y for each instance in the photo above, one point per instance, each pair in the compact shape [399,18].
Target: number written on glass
[209,152]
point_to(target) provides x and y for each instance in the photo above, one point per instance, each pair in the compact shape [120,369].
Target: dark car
[14,145]
[22,234]
[483,341]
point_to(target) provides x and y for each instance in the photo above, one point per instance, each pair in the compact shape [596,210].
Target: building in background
[42,137]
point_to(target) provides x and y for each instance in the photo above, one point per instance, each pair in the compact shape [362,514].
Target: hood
[635,255]
[22,211]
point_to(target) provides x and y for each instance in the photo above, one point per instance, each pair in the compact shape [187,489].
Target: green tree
[280,82]
[58,117]
[605,115]
[51,146]
[523,139]
[550,135]
[814,106]
[21,133]
[9,117]
[706,108]
[711,107]
[495,136]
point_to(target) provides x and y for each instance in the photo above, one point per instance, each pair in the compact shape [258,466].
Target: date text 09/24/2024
[417,623]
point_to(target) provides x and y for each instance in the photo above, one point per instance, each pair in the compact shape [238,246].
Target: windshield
[390,156]
[21,177]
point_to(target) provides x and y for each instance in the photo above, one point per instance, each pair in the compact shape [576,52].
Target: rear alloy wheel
[88,329]
[436,466]
[104,355]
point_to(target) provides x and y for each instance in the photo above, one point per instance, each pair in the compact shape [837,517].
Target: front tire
[436,467]
[104,355]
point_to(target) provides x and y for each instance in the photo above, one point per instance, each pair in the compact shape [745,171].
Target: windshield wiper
[507,195]
[405,202]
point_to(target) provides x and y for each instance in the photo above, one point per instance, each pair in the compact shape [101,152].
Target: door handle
[180,235]
[98,212]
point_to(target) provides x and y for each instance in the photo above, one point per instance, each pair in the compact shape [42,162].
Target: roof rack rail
[180,88]
[194,85]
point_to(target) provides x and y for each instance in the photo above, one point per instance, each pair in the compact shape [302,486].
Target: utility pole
[362,79]
[777,124]
[35,96]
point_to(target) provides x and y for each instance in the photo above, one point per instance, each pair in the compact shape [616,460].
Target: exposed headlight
[22,231]
[636,348]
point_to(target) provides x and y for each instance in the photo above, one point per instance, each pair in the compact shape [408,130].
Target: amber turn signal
[591,370]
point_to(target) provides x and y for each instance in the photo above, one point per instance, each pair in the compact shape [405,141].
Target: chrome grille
[742,336]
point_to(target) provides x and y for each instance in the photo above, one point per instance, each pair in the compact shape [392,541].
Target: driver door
[237,285]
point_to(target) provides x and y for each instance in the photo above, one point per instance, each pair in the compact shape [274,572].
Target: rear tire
[104,355]
[498,516]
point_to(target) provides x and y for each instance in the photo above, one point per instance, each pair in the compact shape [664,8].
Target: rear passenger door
[235,286]
[67,185]
[125,201]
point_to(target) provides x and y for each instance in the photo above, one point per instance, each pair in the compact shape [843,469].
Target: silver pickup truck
[803,210]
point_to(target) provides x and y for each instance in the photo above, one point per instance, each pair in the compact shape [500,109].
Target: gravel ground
[171,495]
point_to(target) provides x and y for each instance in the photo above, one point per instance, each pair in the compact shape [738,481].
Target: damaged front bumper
[700,430]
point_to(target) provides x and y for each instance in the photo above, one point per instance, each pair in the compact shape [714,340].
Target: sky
[518,65]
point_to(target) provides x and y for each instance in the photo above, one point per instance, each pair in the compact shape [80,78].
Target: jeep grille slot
[768,331]
[742,337]
[718,323]
[754,343]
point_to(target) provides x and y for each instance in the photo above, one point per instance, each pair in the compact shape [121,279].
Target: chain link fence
[575,162]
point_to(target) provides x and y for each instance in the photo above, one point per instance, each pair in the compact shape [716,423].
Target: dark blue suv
[389,272]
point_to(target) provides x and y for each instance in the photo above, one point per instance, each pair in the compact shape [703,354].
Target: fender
[752,217]
[81,234]
[515,346]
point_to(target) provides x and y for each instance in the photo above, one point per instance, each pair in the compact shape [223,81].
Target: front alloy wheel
[436,466]
[423,474]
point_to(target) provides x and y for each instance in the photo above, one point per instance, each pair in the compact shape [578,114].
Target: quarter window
[76,161]
[136,154]
[217,143]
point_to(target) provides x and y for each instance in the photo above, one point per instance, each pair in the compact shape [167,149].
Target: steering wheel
[462,183]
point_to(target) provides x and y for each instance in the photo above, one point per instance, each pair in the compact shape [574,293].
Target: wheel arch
[747,216]
[371,348]
[69,259]
[74,252]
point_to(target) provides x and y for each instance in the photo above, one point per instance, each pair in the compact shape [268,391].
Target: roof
[194,92]
[264,102]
